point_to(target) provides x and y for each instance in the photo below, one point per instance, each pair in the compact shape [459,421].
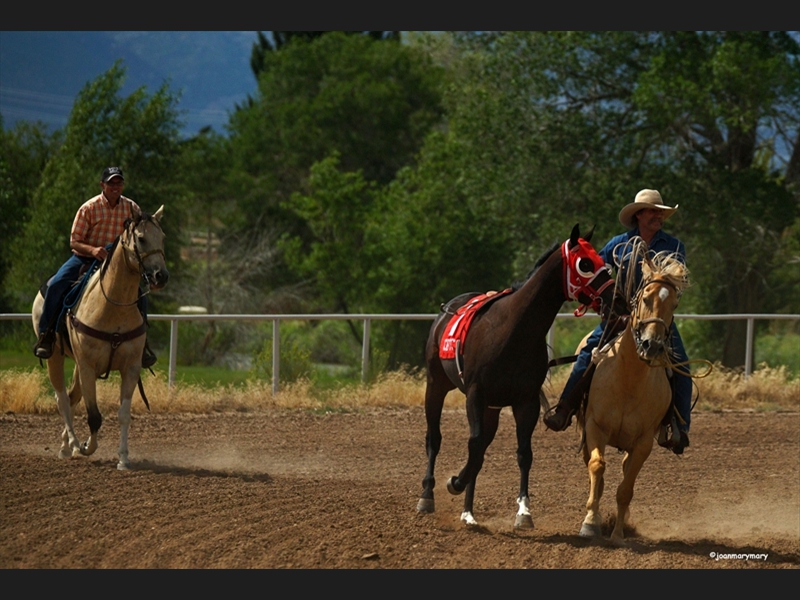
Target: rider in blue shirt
[643,217]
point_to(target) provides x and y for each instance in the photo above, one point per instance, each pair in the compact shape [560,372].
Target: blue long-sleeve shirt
[661,242]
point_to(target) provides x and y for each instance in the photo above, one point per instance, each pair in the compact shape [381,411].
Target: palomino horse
[505,361]
[630,393]
[106,332]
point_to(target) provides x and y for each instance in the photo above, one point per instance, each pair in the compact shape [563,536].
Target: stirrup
[148,358]
[669,436]
[43,348]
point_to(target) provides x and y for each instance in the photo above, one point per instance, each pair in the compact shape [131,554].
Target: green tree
[372,102]
[138,132]
[24,152]
[278,39]
[428,241]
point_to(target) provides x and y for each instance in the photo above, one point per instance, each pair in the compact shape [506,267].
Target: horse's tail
[543,402]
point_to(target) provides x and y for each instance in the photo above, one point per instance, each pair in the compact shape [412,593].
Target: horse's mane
[667,265]
[539,262]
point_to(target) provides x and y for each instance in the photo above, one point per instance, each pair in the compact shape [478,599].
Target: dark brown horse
[505,361]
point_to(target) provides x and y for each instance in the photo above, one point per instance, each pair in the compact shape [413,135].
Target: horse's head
[586,278]
[664,279]
[144,239]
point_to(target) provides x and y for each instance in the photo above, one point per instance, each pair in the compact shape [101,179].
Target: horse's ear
[588,236]
[159,213]
[648,265]
[576,233]
[136,214]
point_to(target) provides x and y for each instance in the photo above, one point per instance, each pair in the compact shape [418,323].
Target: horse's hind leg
[525,416]
[491,418]
[476,445]
[435,393]
[70,446]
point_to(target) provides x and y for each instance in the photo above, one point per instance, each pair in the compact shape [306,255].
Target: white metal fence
[367,320]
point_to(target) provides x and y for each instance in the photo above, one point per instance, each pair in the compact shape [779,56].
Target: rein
[138,268]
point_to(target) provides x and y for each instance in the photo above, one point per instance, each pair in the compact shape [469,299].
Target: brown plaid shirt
[97,224]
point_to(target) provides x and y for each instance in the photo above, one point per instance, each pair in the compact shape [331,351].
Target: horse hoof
[590,531]
[619,542]
[451,486]
[425,505]
[64,453]
[123,466]
[523,522]
[468,519]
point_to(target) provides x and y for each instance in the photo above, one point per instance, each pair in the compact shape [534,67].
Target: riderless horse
[106,332]
[630,393]
[503,361]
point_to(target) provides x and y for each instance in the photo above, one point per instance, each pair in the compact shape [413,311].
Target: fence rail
[367,320]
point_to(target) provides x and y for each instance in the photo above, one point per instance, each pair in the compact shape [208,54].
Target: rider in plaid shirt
[98,222]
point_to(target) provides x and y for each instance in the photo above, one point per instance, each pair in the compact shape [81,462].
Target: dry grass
[725,389]
[29,392]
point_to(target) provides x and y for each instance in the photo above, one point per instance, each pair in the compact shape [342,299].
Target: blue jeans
[57,289]
[60,285]
[682,385]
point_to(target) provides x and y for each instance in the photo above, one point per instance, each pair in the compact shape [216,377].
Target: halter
[130,226]
[580,276]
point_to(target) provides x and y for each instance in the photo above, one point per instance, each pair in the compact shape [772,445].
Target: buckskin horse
[106,332]
[503,361]
[630,393]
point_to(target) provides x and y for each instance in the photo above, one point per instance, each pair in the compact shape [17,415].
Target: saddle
[451,343]
[71,297]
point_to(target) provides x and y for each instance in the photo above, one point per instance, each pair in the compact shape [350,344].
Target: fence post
[748,349]
[173,350]
[276,354]
[365,352]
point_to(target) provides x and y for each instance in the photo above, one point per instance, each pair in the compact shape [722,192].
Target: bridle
[637,323]
[130,227]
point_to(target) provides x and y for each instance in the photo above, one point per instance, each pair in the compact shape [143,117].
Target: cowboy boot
[561,417]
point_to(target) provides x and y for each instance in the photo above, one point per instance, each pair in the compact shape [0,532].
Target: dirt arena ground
[289,489]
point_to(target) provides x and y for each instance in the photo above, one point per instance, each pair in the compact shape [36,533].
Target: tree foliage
[372,102]
[24,152]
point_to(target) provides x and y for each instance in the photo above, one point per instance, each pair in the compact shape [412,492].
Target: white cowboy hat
[644,199]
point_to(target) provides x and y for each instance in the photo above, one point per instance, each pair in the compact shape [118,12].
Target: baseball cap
[110,172]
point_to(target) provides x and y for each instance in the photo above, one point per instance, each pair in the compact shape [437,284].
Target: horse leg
[93,417]
[435,393]
[70,446]
[593,456]
[631,466]
[130,377]
[475,446]
[491,418]
[526,415]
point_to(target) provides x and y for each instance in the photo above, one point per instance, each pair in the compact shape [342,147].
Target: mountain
[41,72]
